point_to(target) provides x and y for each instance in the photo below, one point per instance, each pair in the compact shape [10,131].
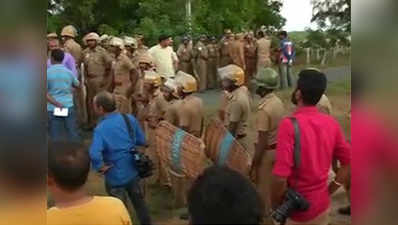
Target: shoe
[345,210]
[184,216]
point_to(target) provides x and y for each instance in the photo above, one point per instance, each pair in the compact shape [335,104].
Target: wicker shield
[181,151]
[224,150]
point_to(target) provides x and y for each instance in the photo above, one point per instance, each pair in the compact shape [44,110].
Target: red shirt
[321,140]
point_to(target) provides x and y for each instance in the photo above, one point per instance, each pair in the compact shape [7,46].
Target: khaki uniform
[122,69]
[155,111]
[97,66]
[171,114]
[191,114]
[263,53]
[185,55]
[212,66]
[201,55]
[225,52]
[238,54]
[324,105]
[238,110]
[270,112]
[251,60]
[74,49]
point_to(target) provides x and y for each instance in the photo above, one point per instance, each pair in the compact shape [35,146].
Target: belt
[273,146]
[240,136]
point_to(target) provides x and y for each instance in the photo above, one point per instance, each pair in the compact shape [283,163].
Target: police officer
[124,76]
[68,35]
[237,51]
[263,51]
[250,56]
[185,55]
[201,55]
[130,46]
[141,48]
[212,63]
[155,111]
[225,48]
[237,108]
[270,111]
[169,90]
[97,65]
[191,112]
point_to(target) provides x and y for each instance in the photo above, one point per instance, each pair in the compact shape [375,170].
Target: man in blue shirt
[286,60]
[111,154]
[60,84]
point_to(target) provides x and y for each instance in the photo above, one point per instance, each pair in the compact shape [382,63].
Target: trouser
[129,194]
[322,219]
[202,72]
[81,110]
[123,104]
[186,67]
[181,185]
[58,127]
[250,70]
[263,182]
[94,86]
[212,73]
[285,72]
[160,173]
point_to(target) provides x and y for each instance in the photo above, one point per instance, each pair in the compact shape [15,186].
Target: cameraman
[321,140]
[111,155]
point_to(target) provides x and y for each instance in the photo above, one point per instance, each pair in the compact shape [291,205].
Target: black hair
[223,196]
[106,101]
[164,37]
[57,55]
[312,84]
[68,164]
[283,33]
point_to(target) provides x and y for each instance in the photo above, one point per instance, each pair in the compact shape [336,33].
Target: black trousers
[132,192]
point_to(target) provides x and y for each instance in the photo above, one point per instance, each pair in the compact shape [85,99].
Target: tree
[332,14]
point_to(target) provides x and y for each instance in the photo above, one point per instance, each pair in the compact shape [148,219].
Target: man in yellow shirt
[68,168]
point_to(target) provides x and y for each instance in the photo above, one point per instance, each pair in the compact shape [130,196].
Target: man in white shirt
[164,57]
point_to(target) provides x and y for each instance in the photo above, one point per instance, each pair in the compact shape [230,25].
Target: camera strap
[129,127]
[297,147]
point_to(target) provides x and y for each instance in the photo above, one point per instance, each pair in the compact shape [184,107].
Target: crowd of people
[122,90]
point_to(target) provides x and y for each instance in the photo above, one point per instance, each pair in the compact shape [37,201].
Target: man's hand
[105,169]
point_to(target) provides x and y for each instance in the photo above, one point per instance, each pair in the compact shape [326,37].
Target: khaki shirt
[184,53]
[171,114]
[270,112]
[238,54]
[96,61]
[157,107]
[74,49]
[238,110]
[324,105]
[201,52]
[191,114]
[121,69]
[264,52]
[213,51]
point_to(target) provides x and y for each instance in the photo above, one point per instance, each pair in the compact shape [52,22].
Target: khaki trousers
[181,185]
[263,183]
[323,219]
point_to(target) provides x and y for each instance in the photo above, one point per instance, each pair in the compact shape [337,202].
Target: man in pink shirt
[321,140]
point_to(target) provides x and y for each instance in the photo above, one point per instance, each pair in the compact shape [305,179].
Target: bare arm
[278,190]
[51,100]
[342,178]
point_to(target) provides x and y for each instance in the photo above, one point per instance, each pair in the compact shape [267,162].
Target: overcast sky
[298,14]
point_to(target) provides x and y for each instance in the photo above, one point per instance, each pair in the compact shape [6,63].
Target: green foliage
[332,14]
[154,17]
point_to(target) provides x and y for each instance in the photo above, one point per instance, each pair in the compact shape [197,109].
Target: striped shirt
[60,83]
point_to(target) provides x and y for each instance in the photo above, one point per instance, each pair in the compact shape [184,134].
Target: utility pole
[188,7]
